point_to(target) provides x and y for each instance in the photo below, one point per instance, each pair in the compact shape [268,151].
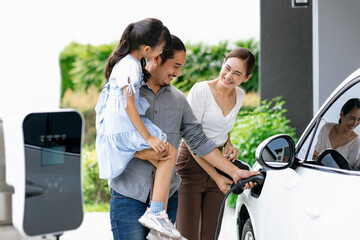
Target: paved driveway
[96,226]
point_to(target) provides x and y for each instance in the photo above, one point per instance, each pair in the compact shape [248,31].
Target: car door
[310,201]
[328,196]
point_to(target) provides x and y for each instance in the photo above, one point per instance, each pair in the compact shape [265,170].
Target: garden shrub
[96,190]
[66,60]
[90,129]
[254,126]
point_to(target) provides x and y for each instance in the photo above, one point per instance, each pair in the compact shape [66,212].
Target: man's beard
[168,84]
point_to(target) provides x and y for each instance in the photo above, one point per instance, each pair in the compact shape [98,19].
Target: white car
[302,197]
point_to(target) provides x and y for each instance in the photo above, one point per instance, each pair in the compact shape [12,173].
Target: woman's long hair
[349,106]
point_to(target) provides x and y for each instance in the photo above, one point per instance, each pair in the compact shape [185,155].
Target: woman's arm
[315,155]
[221,181]
[155,143]
[354,152]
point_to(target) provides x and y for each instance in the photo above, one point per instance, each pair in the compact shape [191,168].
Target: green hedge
[83,65]
[96,191]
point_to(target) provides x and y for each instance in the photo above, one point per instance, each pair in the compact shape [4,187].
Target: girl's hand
[150,155]
[223,183]
[157,144]
[231,152]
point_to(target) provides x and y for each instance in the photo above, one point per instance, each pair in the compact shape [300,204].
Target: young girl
[121,126]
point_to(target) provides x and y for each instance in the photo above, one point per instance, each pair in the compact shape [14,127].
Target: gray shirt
[171,112]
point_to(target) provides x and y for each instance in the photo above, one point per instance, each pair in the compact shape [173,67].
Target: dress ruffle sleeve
[101,104]
[126,74]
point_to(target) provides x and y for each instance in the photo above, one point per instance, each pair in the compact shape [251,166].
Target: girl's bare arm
[157,144]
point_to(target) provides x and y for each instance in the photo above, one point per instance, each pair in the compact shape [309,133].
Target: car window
[317,140]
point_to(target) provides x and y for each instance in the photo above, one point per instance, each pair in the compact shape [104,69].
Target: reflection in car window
[348,145]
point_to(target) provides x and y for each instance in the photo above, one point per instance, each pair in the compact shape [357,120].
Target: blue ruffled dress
[117,139]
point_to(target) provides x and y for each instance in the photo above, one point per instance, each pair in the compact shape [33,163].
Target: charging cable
[237,189]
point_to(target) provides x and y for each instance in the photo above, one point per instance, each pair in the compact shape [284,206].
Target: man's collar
[162,88]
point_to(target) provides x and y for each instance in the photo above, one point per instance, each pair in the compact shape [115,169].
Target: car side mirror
[332,158]
[276,152]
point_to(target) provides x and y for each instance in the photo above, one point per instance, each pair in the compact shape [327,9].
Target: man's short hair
[175,45]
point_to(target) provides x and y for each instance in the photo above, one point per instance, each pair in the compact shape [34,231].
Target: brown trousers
[199,199]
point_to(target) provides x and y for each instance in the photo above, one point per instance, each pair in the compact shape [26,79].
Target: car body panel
[306,201]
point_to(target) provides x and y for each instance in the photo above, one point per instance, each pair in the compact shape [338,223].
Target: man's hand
[241,174]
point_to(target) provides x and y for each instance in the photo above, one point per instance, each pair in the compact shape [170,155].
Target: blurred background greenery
[82,78]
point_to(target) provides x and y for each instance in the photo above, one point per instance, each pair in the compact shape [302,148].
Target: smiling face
[233,72]
[351,120]
[170,68]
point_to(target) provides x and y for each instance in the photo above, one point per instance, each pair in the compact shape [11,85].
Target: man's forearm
[216,159]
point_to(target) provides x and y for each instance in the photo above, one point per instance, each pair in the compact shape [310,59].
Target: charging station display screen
[53,133]
[53,201]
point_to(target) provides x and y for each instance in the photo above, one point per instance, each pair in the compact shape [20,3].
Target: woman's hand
[230,151]
[223,183]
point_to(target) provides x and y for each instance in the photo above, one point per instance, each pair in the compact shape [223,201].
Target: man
[170,111]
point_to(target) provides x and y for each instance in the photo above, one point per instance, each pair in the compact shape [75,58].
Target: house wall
[286,58]
[336,45]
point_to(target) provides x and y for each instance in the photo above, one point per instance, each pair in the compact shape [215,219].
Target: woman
[215,104]
[342,136]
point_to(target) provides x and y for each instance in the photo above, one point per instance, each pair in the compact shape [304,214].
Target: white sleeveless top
[215,125]
[350,150]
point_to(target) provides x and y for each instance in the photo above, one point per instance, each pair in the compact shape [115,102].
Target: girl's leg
[163,176]
[166,198]
[154,218]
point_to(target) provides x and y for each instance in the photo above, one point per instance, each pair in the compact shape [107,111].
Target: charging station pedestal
[42,156]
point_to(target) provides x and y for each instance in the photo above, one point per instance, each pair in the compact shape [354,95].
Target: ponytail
[147,74]
[121,51]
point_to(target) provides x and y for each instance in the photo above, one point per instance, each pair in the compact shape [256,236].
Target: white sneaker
[155,235]
[159,222]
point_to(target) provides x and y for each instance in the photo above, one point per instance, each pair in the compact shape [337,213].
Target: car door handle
[313,211]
